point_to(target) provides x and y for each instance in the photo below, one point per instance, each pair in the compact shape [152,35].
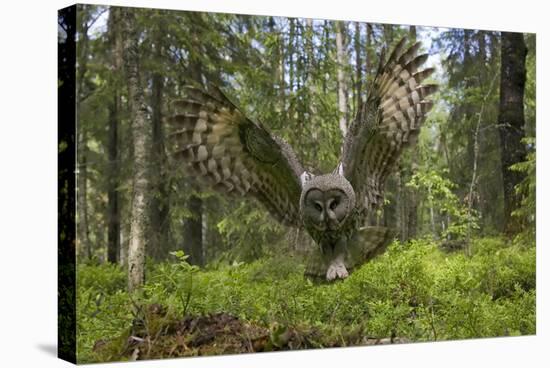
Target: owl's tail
[366,244]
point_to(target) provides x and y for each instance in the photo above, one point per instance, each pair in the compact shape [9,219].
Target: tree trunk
[309,51]
[113,208]
[192,227]
[368,57]
[192,240]
[113,212]
[473,184]
[358,66]
[159,242]
[82,180]
[278,67]
[280,78]
[83,226]
[432,214]
[311,78]
[326,39]
[282,84]
[412,207]
[124,243]
[468,107]
[412,33]
[341,76]
[300,106]
[121,250]
[388,35]
[141,141]
[291,71]
[473,192]
[401,223]
[411,200]
[511,120]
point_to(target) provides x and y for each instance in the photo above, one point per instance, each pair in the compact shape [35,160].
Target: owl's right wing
[232,154]
[390,120]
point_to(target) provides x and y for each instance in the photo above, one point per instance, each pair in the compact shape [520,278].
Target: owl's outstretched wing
[386,123]
[232,154]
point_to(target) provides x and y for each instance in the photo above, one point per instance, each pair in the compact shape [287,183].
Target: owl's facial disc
[337,205]
[326,210]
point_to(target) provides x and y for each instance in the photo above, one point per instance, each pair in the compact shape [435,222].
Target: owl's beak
[332,221]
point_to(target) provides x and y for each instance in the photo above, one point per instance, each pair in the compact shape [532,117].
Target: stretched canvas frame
[68,239]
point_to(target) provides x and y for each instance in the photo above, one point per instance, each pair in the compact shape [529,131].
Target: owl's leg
[337,268]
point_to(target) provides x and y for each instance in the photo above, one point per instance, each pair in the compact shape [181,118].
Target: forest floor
[220,333]
[413,292]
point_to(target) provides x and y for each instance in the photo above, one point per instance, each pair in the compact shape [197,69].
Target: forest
[167,267]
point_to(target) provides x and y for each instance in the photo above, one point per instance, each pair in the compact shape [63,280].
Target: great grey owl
[234,154]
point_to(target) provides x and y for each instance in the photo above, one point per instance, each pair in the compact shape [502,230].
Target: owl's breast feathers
[330,236]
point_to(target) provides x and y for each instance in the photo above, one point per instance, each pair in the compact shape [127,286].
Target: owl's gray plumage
[235,155]
[390,120]
[326,183]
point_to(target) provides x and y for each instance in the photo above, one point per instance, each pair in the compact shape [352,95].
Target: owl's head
[326,202]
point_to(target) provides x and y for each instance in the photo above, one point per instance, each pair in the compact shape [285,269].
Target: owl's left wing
[230,153]
[390,120]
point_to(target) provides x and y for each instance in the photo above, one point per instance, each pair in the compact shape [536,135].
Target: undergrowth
[413,291]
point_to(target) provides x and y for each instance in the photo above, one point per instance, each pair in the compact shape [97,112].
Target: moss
[413,292]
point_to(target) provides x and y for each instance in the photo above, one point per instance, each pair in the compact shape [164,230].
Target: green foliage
[247,230]
[413,291]
[530,85]
[441,198]
[102,307]
[282,73]
[175,280]
[526,190]
[106,278]
[469,81]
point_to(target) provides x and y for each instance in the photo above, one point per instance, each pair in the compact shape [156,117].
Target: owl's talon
[337,271]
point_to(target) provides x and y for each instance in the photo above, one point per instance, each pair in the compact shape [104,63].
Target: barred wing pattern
[390,120]
[233,154]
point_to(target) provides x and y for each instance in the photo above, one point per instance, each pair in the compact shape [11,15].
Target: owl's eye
[318,207]
[334,204]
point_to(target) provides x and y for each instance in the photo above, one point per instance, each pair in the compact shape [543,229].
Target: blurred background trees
[471,174]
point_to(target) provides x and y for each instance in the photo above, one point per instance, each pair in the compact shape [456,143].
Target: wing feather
[387,122]
[232,154]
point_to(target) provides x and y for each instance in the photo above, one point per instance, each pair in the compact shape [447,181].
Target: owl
[232,154]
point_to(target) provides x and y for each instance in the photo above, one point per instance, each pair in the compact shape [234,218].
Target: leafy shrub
[106,277]
[440,196]
[527,191]
[248,230]
[102,307]
[414,291]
